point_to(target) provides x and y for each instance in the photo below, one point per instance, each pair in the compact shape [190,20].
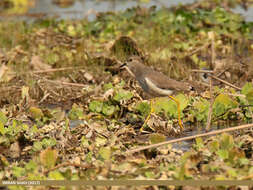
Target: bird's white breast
[156,89]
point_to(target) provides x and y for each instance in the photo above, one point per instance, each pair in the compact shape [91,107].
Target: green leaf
[31,166]
[107,86]
[202,107]
[37,146]
[223,154]
[100,141]
[108,109]
[157,138]
[105,153]
[169,105]
[48,158]
[227,141]
[3,130]
[150,174]
[143,108]
[55,175]
[76,112]
[244,161]
[84,141]
[247,90]
[222,103]
[89,157]
[199,143]
[96,106]
[18,171]
[36,113]
[48,142]
[122,94]
[3,118]
[214,146]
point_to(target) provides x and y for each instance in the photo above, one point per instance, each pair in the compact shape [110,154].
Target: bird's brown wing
[164,82]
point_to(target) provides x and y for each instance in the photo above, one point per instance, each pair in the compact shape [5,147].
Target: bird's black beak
[122,66]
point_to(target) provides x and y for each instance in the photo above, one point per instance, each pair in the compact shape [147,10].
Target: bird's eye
[130,59]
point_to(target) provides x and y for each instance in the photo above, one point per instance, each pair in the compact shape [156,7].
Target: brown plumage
[154,82]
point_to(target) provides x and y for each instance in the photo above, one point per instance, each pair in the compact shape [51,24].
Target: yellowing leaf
[36,113]
[48,158]
[222,103]
[227,141]
[157,138]
[105,153]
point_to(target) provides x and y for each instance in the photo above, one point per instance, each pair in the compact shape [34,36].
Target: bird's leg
[178,111]
[148,117]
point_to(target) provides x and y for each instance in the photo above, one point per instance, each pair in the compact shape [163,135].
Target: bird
[155,83]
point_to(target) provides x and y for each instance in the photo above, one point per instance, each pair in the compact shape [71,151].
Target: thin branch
[66,83]
[83,166]
[191,137]
[225,82]
[47,70]
[198,49]
[201,71]
[210,111]
[238,95]
[55,70]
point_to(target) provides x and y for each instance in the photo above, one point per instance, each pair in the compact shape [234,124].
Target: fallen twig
[210,111]
[66,83]
[216,78]
[201,71]
[83,166]
[225,82]
[190,137]
[47,70]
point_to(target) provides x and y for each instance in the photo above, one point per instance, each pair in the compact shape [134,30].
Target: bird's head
[133,65]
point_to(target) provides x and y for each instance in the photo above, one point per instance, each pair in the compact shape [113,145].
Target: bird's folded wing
[163,82]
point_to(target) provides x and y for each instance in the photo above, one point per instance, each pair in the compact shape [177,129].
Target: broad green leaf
[3,130]
[199,143]
[76,112]
[150,174]
[108,109]
[100,141]
[18,171]
[222,103]
[227,141]
[143,108]
[244,161]
[247,90]
[105,153]
[48,142]
[122,95]
[37,146]
[214,146]
[96,106]
[48,158]
[169,105]
[202,107]
[222,153]
[3,118]
[31,165]
[157,138]
[84,141]
[107,86]
[36,113]
[55,175]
